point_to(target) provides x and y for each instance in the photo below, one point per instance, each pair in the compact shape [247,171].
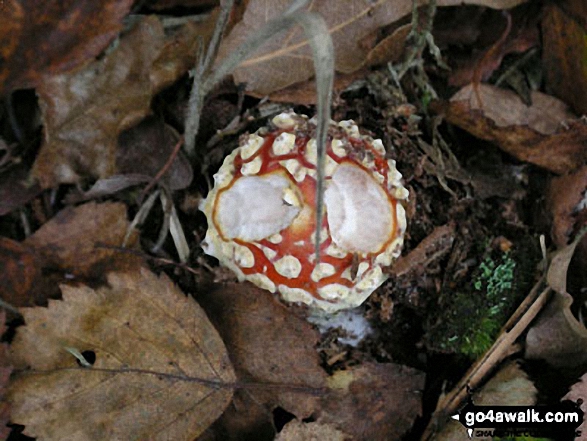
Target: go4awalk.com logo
[535,421]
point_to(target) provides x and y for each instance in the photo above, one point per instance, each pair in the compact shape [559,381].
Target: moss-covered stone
[470,318]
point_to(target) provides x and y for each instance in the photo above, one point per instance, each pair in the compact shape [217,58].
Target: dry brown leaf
[390,49]
[85,112]
[267,344]
[77,240]
[286,59]
[5,370]
[557,336]
[564,37]
[53,37]
[565,193]
[297,431]
[161,370]
[146,148]
[374,401]
[545,134]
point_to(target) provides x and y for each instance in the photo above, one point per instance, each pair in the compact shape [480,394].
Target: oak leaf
[159,369]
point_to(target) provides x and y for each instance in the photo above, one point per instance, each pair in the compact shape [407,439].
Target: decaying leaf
[84,112]
[510,386]
[564,37]
[5,370]
[160,371]
[557,336]
[60,35]
[77,240]
[286,60]
[373,401]
[267,344]
[579,392]
[564,199]
[545,134]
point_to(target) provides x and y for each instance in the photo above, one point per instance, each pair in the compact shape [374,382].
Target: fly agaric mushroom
[262,213]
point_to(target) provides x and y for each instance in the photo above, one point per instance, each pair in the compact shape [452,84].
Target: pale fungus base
[262,214]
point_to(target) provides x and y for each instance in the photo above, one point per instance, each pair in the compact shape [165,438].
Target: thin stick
[502,348]
[198,93]
[163,170]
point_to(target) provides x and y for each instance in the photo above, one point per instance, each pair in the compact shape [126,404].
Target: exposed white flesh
[256,207]
[360,214]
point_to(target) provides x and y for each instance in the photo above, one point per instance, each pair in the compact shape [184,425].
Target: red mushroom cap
[262,213]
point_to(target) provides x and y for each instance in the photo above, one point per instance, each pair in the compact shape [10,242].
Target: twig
[198,93]
[503,347]
[162,171]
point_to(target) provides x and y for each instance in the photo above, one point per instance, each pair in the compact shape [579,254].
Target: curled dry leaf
[84,112]
[373,401]
[54,38]
[545,134]
[160,372]
[564,198]
[5,370]
[557,336]
[267,344]
[77,240]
